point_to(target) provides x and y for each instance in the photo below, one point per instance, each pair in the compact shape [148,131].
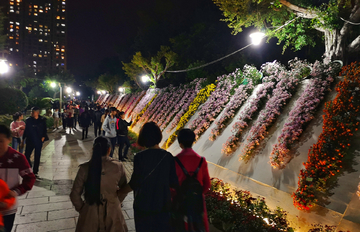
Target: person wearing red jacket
[12,165]
[6,201]
[190,159]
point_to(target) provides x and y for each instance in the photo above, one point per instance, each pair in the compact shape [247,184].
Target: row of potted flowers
[183,105]
[325,158]
[138,116]
[302,113]
[200,99]
[216,103]
[134,102]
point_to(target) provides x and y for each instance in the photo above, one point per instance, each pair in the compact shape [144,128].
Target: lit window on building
[17,43]
[11,30]
[58,17]
[34,62]
[11,49]
[17,12]
[62,57]
[18,0]
[63,18]
[11,22]
[57,65]
[62,50]
[35,6]
[63,32]
[34,55]
[63,24]
[35,14]
[11,11]
[17,23]
[40,40]
[40,55]
[11,37]
[41,11]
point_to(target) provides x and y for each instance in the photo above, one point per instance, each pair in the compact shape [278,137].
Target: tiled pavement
[47,206]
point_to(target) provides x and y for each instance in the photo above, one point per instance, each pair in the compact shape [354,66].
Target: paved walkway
[47,206]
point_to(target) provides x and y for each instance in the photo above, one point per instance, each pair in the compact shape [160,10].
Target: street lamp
[98,92]
[53,84]
[77,93]
[103,92]
[4,68]
[145,78]
[121,89]
[68,89]
[257,37]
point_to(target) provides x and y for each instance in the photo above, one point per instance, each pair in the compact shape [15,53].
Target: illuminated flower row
[142,111]
[135,101]
[200,98]
[155,105]
[162,108]
[183,105]
[215,104]
[150,93]
[241,95]
[280,96]
[303,112]
[176,96]
[358,192]
[325,158]
[123,101]
[246,115]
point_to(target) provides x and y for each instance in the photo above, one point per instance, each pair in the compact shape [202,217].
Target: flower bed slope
[216,103]
[303,112]
[326,156]
[134,102]
[280,96]
[200,98]
[183,105]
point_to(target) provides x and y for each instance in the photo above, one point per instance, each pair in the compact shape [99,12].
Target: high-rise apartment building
[37,34]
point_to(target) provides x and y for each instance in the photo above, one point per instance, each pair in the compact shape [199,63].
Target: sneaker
[37,176]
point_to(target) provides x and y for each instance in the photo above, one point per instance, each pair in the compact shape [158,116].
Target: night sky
[105,29]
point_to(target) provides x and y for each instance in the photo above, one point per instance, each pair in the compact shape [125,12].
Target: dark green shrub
[12,100]
[6,120]
[49,122]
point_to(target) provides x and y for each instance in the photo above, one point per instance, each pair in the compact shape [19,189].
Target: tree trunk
[334,46]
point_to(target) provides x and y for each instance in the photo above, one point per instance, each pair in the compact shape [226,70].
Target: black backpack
[188,205]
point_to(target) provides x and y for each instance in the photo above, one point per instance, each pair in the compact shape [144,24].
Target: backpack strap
[198,168]
[184,169]
[181,166]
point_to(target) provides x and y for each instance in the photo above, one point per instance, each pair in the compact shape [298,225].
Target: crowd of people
[168,191]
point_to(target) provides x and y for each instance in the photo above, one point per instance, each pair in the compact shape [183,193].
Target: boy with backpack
[189,203]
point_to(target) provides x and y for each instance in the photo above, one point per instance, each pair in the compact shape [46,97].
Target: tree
[12,100]
[22,78]
[155,67]
[332,19]
[109,82]
[62,77]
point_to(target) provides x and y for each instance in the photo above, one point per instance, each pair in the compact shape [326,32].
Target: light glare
[145,78]
[257,37]
[4,68]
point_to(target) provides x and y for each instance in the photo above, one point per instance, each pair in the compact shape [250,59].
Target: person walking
[103,120]
[12,166]
[56,116]
[7,200]
[85,120]
[122,133]
[17,128]
[70,118]
[100,180]
[154,174]
[35,135]
[97,121]
[189,167]
[64,119]
[109,126]
[76,116]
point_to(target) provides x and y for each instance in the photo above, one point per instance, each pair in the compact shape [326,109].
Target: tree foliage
[12,100]
[155,66]
[108,82]
[311,18]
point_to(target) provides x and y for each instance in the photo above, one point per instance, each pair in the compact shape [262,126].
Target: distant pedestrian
[7,200]
[106,113]
[109,126]
[194,180]
[12,166]
[76,115]
[35,135]
[154,174]
[56,116]
[122,133]
[70,118]
[64,118]
[85,120]
[100,180]
[97,121]
[17,128]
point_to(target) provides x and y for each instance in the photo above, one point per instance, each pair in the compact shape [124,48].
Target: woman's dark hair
[186,137]
[107,111]
[92,184]
[4,130]
[121,113]
[16,116]
[150,135]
